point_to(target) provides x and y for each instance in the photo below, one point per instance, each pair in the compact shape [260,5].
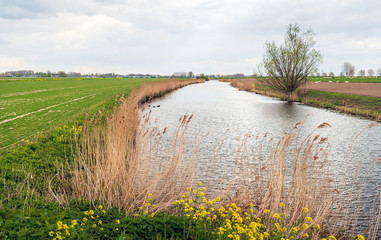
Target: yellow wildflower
[306,235]
[51,233]
[305,210]
[318,226]
[360,237]
[188,188]
[276,215]
[200,183]
[308,219]
[306,226]
[332,237]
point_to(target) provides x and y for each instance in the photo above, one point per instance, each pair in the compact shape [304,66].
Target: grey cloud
[21,9]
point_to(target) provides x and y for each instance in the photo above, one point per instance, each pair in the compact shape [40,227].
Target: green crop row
[29,106]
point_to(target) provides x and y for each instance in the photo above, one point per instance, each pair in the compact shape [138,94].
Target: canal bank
[336,96]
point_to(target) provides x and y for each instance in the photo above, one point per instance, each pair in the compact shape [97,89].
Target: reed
[125,163]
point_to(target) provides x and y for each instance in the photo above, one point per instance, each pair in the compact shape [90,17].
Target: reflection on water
[223,113]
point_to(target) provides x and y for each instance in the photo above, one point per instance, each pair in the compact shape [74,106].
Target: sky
[166,36]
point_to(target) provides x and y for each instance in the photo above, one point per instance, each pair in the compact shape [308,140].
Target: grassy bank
[33,170]
[369,107]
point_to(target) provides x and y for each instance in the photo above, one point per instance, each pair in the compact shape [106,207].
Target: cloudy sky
[166,36]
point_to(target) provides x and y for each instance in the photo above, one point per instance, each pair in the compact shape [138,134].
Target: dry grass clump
[242,84]
[125,162]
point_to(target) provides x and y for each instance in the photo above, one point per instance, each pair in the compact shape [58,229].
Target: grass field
[32,105]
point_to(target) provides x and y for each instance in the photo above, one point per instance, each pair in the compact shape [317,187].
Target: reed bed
[125,163]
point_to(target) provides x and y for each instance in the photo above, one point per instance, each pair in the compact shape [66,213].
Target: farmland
[32,105]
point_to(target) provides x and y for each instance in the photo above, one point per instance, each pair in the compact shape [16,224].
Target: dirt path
[364,89]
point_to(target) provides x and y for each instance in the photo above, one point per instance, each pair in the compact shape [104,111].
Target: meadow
[32,105]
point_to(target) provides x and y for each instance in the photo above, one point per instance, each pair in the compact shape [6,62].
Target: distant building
[74,74]
[190,75]
[237,75]
[179,75]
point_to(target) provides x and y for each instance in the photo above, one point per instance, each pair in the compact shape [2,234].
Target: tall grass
[124,162]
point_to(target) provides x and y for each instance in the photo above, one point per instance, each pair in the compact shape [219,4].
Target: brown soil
[364,89]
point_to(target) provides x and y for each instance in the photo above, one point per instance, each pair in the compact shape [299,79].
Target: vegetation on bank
[104,177]
[369,107]
[365,106]
[30,172]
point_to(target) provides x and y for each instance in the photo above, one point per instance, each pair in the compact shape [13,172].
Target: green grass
[349,79]
[355,104]
[51,102]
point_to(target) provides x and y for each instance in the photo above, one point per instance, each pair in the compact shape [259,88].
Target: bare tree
[288,66]
[370,72]
[348,69]
[379,72]
[324,74]
[362,73]
[331,74]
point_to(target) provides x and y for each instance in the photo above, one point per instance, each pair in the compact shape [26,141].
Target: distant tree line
[349,70]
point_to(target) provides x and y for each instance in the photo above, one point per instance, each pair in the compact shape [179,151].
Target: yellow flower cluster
[64,131]
[230,222]
[91,219]
[147,208]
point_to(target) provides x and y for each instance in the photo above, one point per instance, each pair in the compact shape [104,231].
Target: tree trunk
[292,97]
